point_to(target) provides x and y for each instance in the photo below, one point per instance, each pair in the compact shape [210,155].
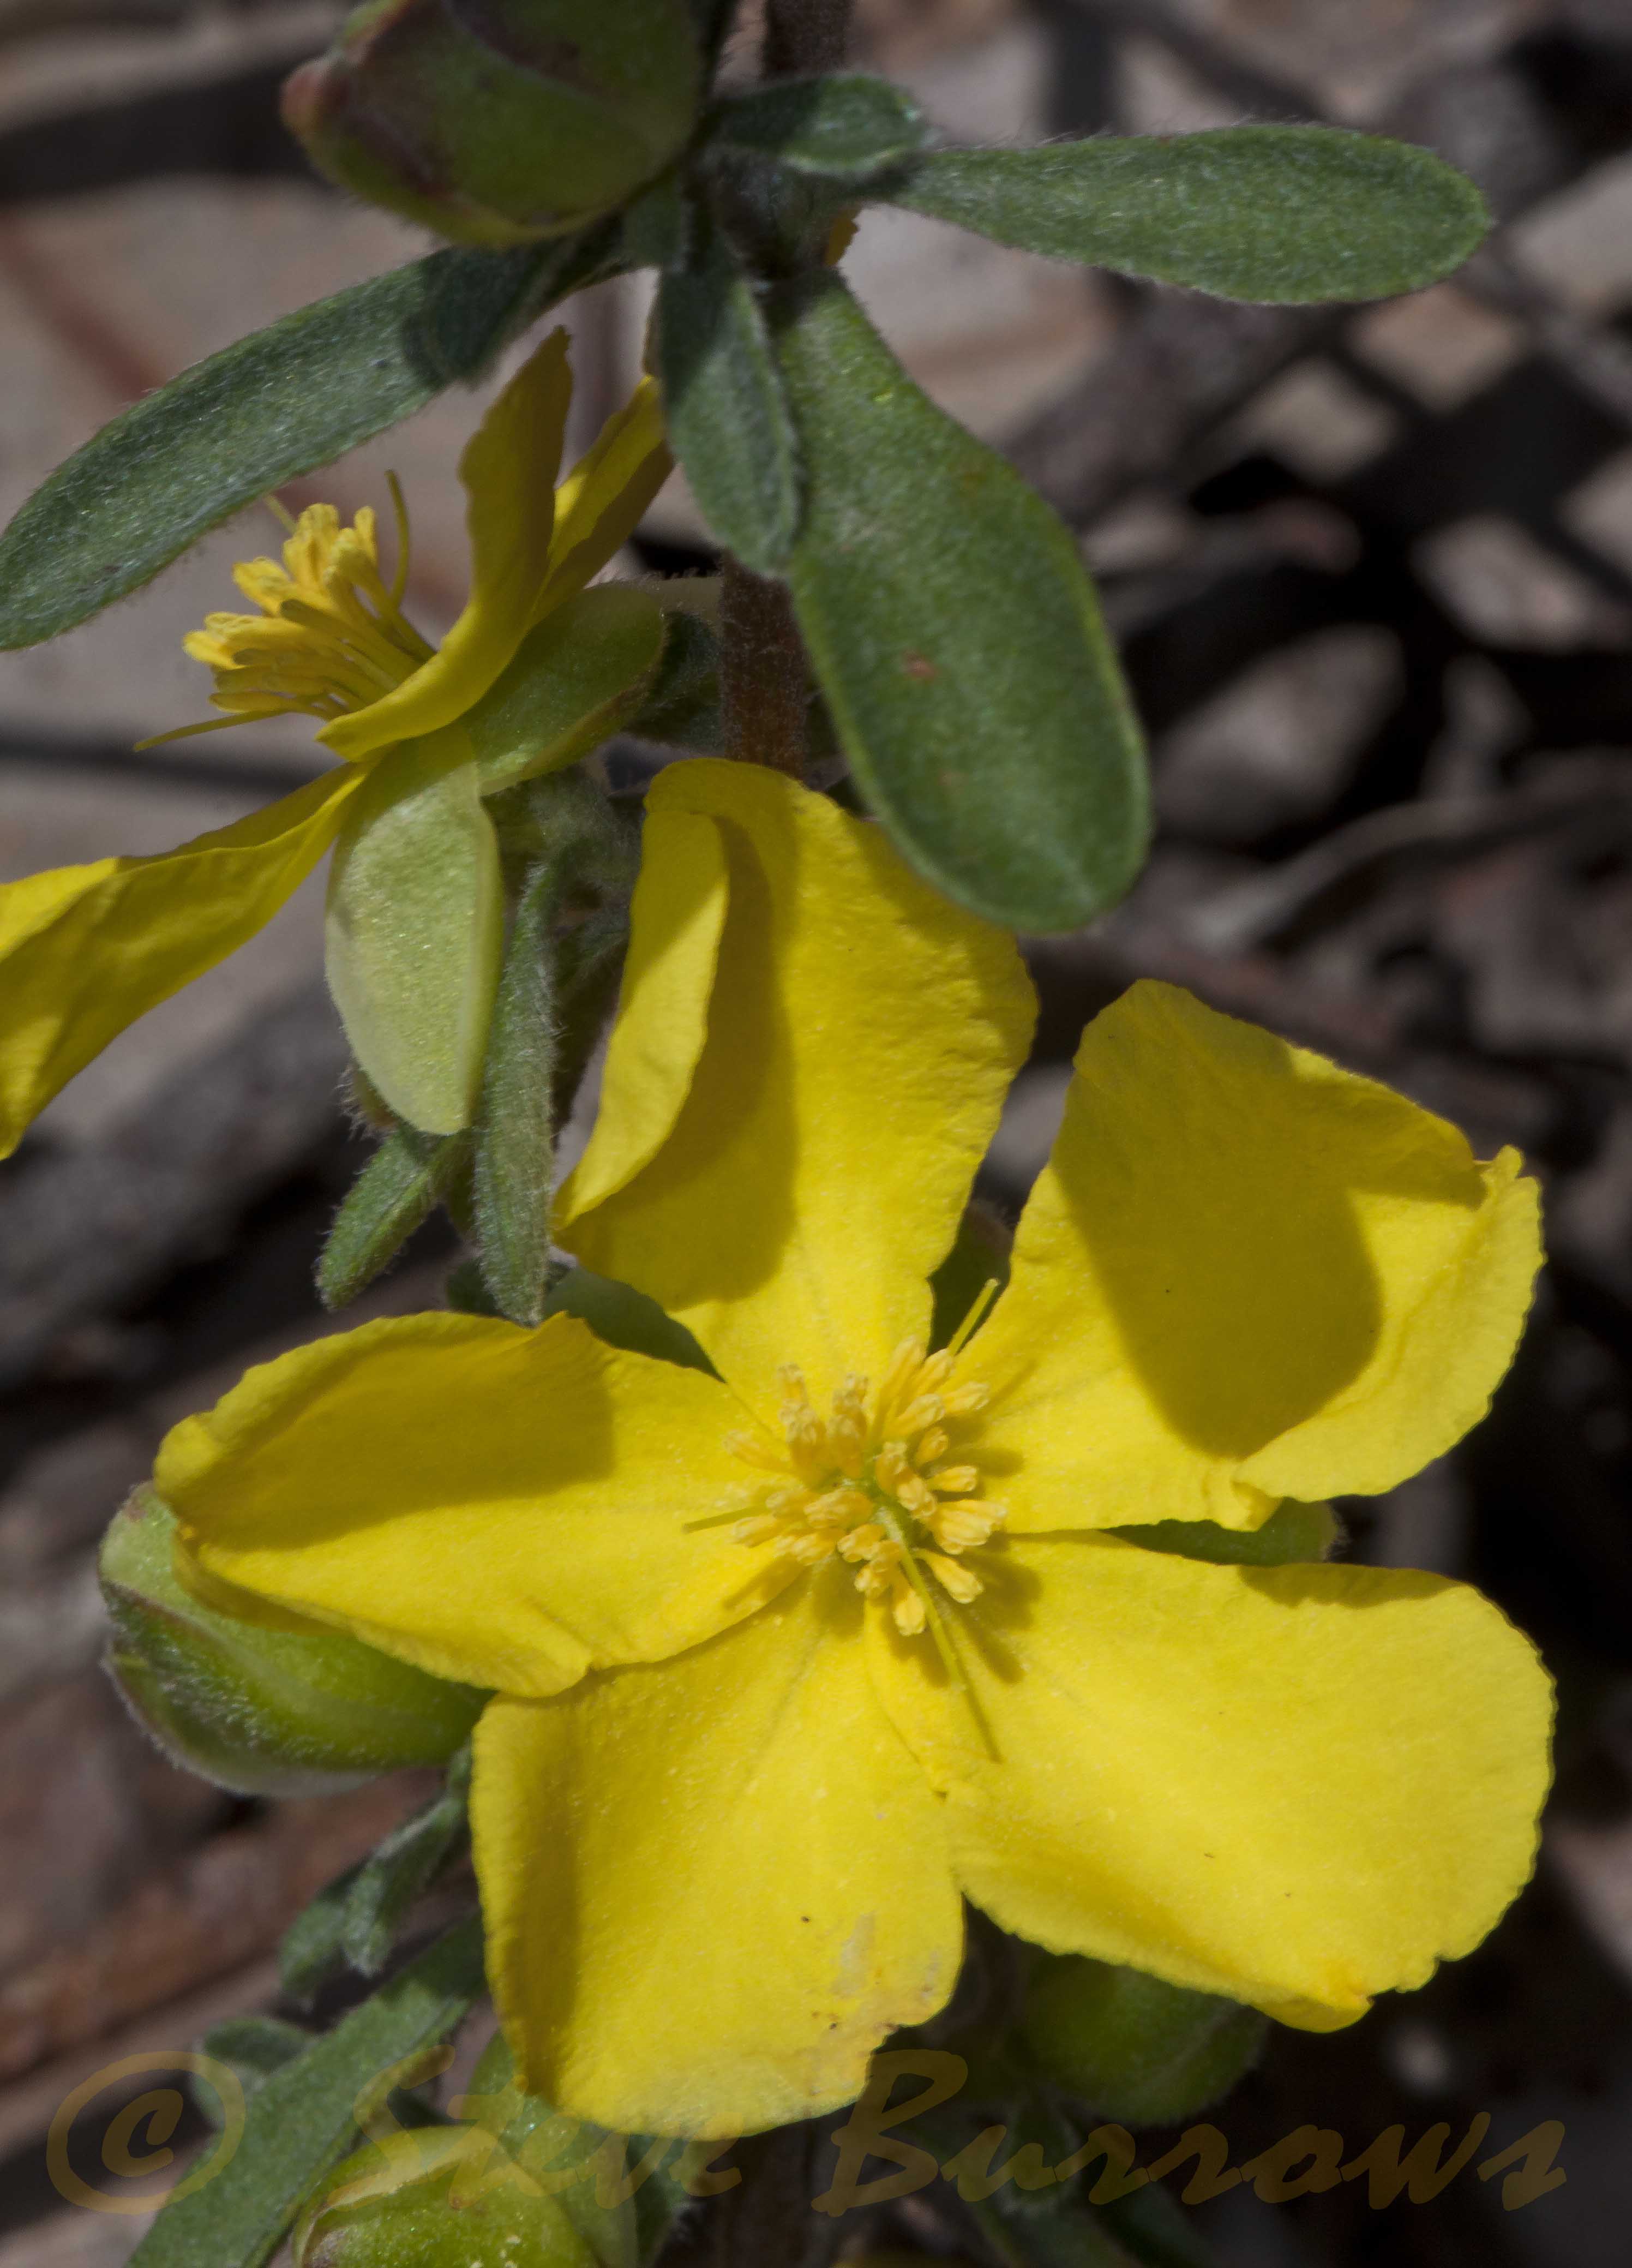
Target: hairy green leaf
[391,1198]
[302,2119]
[958,641]
[355,1920]
[516,1136]
[845,127]
[274,405]
[252,2048]
[1284,214]
[728,420]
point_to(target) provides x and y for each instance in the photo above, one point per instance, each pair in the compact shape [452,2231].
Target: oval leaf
[956,638]
[1291,214]
[845,127]
[277,404]
[728,422]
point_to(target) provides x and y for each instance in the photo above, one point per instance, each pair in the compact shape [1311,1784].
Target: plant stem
[764,682]
[764,688]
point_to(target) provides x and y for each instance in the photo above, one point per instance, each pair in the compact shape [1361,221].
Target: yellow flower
[789,1660]
[415,906]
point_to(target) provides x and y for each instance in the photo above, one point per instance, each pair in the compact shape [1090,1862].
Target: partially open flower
[493,121]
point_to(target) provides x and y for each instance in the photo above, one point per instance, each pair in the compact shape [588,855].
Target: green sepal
[355,1920]
[728,419]
[275,405]
[516,1135]
[586,2167]
[437,2201]
[415,929]
[681,707]
[577,676]
[263,1711]
[956,638]
[845,127]
[1133,2049]
[1292,1531]
[391,1196]
[624,1317]
[301,2121]
[1280,214]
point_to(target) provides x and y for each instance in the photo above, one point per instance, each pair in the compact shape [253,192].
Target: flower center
[880,1483]
[330,636]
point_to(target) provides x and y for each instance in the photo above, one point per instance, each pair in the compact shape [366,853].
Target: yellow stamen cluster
[872,1482]
[329,638]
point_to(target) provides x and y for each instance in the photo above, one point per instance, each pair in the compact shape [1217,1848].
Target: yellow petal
[711,1888]
[676,919]
[508,470]
[1296,1785]
[415,929]
[605,496]
[862,1034]
[1244,1274]
[498,1506]
[86,950]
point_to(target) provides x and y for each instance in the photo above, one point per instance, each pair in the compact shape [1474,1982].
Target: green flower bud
[497,121]
[1139,2051]
[266,1711]
[439,2196]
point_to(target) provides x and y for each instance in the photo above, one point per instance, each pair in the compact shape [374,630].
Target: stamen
[405,541]
[329,637]
[975,1317]
[959,1583]
[851,1484]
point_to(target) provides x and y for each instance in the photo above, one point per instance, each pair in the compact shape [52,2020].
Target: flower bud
[1137,2051]
[293,1709]
[497,121]
[439,2196]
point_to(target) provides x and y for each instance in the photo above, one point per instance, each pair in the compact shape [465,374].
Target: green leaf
[355,1920]
[844,127]
[391,1198]
[576,677]
[406,1863]
[415,929]
[301,2121]
[958,641]
[729,423]
[275,405]
[1286,214]
[515,1138]
[252,2048]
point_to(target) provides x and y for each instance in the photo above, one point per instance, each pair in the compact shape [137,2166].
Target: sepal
[1137,2050]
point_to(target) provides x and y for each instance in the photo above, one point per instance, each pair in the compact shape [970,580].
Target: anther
[959,1583]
